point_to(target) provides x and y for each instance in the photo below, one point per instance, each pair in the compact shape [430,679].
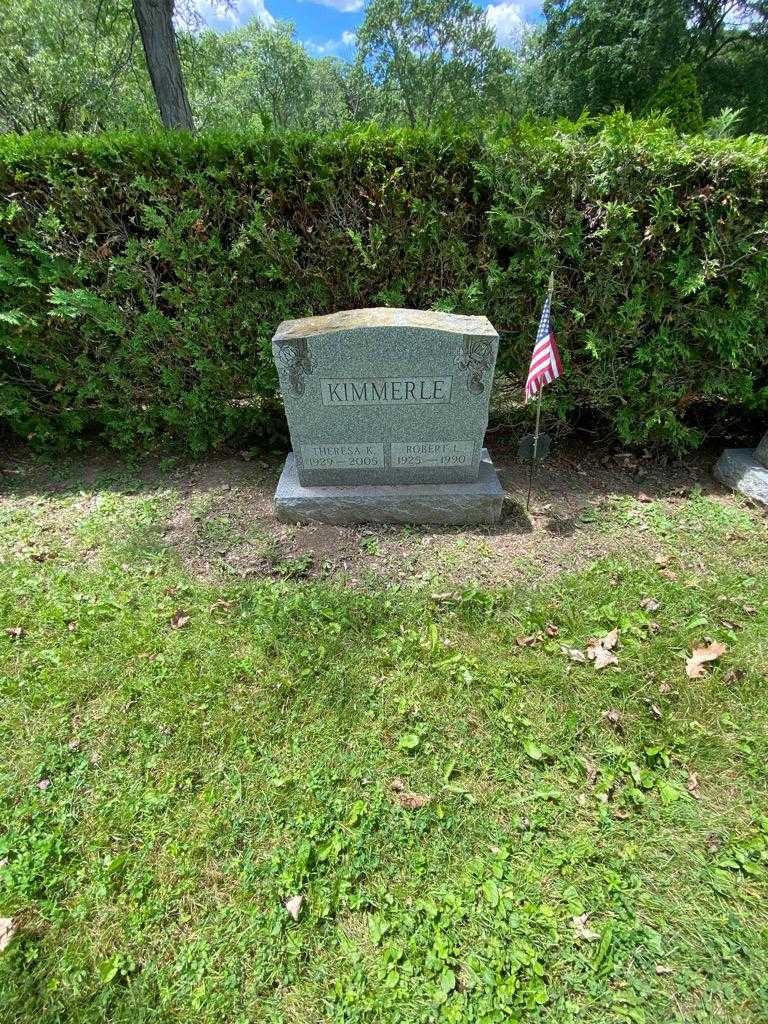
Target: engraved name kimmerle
[386,391]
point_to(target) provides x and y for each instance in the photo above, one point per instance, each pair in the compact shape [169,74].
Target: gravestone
[387,409]
[745,470]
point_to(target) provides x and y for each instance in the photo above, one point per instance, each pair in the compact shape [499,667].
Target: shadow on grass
[220,513]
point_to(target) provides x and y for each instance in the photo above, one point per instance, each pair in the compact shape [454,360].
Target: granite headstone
[382,405]
[745,470]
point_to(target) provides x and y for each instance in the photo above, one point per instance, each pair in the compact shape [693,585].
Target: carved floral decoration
[476,359]
[293,353]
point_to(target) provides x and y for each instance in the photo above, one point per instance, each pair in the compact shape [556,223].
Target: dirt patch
[572,522]
[586,503]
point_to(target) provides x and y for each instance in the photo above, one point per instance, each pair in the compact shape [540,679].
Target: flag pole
[538,419]
[535,451]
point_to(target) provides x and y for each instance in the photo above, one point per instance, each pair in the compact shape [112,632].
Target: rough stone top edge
[385,316]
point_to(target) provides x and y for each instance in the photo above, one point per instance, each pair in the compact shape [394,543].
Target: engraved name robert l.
[386,391]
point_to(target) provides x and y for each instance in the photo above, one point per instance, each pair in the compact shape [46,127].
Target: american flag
[545,361]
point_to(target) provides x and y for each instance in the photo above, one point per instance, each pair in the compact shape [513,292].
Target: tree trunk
[155,18]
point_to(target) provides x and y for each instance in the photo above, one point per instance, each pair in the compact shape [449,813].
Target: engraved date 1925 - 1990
[431,453]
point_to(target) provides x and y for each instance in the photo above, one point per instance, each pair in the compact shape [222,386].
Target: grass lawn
[482,827]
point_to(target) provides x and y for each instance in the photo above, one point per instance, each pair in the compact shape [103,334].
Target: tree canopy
[78,65]
[597,55]
[429,57]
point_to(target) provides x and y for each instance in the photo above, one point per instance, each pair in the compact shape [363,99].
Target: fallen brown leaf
[610,640]
[650,604]
[15,632]
[654,711]
[222,605]
[293,906]
[694,666]
[408,800]
[665,688]
[179,620]
[528,641]
[412,801]
[7,931]
[661,969]
[591,769]
[644,498]
[613,717]
[692,785]
[669,574]
[552,630]
[42,556]
[601,657]
[713,843]
[575,654]
[735,675]
[579,923]
[601,651]
[661,560]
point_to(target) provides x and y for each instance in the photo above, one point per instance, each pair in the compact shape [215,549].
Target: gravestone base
[739,469]
[458,504]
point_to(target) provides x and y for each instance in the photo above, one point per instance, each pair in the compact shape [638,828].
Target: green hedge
[142,277]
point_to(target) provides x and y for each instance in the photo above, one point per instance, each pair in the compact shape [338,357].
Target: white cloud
[315,49]
[740,17]
[330,47]
[345,6]
[223,16]
[256,9]
[506,19]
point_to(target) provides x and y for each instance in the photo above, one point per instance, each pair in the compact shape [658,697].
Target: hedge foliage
[142,277]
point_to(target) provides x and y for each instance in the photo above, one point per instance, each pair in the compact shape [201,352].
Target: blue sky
[327,26]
